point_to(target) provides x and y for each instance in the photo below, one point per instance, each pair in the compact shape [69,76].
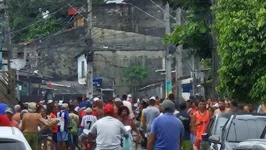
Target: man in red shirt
[9,114]
[4,121]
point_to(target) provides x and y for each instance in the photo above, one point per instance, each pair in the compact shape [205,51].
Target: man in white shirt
[88,120]
[62,134]
[108,131]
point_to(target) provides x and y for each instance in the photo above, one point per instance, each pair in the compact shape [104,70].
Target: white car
[11,138]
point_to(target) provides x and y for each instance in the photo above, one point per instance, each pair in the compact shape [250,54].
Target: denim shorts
[62,136]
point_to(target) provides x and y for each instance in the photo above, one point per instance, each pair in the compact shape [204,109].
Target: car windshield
[11,145]
[241,130]
[219,126]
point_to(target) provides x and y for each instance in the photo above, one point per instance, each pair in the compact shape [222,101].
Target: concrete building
[114,51]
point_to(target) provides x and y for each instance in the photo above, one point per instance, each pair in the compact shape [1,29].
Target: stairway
[7,87]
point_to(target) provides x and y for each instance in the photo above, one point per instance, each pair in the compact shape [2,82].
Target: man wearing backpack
[73,132]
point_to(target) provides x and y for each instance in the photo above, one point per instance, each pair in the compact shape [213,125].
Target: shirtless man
[222,108]
[16,116]
[30,123]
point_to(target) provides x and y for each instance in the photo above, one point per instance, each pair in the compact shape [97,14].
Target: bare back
[30,122]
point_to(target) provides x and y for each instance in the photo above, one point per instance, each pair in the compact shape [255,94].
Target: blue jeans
[192,138]
[80,131]
[73,141]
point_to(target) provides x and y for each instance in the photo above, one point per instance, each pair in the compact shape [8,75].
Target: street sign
[97,82]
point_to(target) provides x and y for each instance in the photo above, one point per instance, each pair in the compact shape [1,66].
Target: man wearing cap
[97,107]
[16,116]
[88,120]
[9,114]
[108,131]
[167,131]
[150,113]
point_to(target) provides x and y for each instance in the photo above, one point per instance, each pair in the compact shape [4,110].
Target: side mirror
[214,139]
[205,137]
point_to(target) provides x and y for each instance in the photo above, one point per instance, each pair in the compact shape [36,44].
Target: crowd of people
[157,124]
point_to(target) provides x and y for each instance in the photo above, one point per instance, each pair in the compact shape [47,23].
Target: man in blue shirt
[167,131]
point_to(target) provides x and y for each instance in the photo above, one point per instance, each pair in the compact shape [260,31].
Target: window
[241,130]
[12,145]
[219,126]
[211,126]
[83,73]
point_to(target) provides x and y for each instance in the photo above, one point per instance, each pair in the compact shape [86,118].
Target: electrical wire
[95,29]
[147,13]
[162,9]
[40,20]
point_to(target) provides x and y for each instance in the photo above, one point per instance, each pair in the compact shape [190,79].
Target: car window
[11,145]
[219,125]
[211,126]
[241,130]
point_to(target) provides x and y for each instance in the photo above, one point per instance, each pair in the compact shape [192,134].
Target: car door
[211,131]
[205,144]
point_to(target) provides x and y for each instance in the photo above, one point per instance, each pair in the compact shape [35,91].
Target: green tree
[240,29]
[136,74]
[194,33]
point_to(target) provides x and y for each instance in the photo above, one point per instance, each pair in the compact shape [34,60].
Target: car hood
[230,146]
[251,142]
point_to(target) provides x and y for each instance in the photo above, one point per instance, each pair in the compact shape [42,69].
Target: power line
[147,13]
[38,21]
[109,62]
[58,32]
[162,9]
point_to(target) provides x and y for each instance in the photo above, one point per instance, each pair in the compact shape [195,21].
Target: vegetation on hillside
[26,20]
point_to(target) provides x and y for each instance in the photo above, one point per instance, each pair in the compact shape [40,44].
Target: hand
[200,123]
[137,138]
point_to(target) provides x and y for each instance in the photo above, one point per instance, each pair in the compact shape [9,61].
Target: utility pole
[168,56]
[193,74]
[8,45]
[89,92]
[7,36]
[179,70]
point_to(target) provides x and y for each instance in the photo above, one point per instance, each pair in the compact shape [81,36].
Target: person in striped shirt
[88,120]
